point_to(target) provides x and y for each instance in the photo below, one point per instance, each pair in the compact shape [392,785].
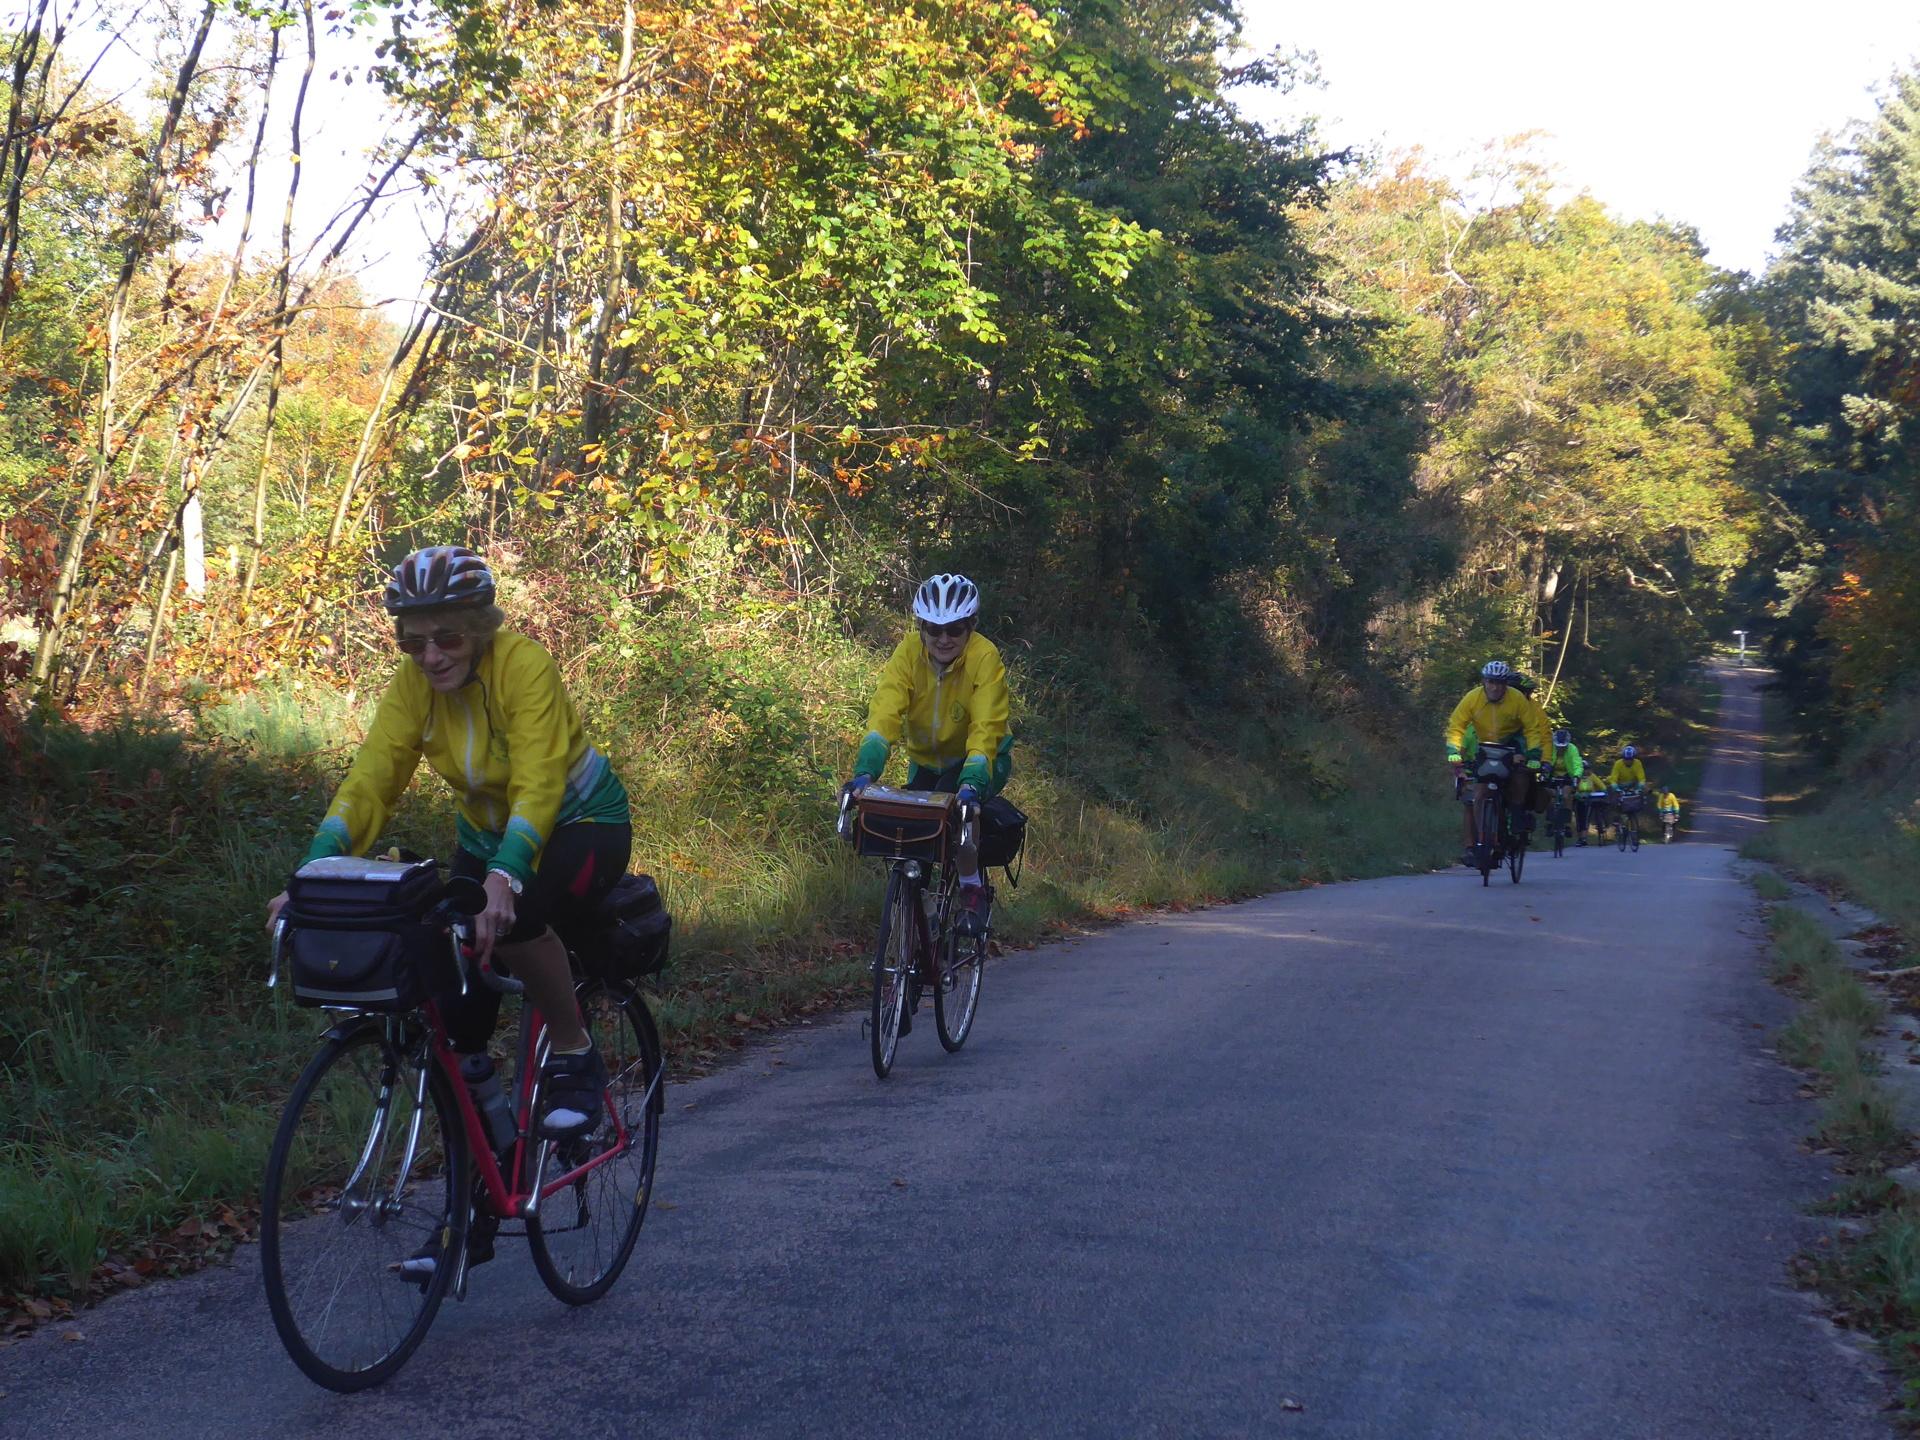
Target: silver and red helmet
[436,576]
[944,599]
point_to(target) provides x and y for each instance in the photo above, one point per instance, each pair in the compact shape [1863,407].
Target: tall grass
[1854,823]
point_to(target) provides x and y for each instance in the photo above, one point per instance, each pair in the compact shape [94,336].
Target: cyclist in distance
[942,697]
[1588,800]
[1628,770]
[1565,760]
[543,821]
[1499,715]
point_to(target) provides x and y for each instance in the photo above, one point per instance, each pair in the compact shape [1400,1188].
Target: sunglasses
[945,632]
[447,642]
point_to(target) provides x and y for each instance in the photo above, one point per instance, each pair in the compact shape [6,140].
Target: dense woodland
[778,305]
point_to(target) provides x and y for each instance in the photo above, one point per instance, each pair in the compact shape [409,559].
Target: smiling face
[1496,690]
[444,652]
[945,642]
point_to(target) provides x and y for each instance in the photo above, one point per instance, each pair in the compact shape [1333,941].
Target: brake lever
[279,946]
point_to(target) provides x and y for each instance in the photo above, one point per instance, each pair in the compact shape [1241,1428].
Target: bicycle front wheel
[1517,855]
[582,1235]
[957,995]
[368,1172]
[1488,835]
[893,961]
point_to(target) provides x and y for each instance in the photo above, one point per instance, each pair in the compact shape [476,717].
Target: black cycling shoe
[573,1094]
[419,1266]
[913,1004]
[974,912]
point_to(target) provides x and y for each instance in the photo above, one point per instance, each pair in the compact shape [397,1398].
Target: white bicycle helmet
[1631,752]
[1563,737]
[439,575]
[943,599]
[1496,670]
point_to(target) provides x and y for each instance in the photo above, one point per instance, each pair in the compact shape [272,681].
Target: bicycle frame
[503,1195]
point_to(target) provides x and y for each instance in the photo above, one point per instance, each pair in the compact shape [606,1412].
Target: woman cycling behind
[943,697]
[543,821]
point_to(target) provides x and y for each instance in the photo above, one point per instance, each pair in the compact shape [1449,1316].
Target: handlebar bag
[628,935]
[355,936]
[903,824]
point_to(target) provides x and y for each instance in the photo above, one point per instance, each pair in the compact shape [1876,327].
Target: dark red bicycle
[390,1174]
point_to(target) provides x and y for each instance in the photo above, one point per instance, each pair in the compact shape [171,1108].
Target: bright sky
[1702,111]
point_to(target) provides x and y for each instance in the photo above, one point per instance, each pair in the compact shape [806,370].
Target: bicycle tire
[337,1078]
[1516,855]
[1487,828]
[892,970]
[1635,836]
[954,1008]
[1620,835]
[618,1192]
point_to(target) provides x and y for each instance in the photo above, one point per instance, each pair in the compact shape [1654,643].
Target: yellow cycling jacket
[1515,720]
[942,718]
[509,742]
[1627,772]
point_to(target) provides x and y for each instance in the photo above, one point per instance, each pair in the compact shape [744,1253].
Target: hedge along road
[1417,1158]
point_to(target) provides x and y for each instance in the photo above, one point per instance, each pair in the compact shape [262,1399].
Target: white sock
[969,882]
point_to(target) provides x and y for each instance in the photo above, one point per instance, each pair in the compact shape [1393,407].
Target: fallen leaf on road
[898,1183]
[73,1335]
[1291,1404]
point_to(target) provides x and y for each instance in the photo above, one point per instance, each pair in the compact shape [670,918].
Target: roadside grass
[1851,822]
[1870,1278]
[142,1062]
[1832,1036]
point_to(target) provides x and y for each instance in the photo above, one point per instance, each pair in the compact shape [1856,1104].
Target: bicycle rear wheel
[369,1168]
[893,960]
[582,1236]
[956,997]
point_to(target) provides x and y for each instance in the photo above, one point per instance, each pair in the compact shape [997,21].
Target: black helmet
[438,575]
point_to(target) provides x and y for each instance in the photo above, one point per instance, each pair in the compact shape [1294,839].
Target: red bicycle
[387,1181]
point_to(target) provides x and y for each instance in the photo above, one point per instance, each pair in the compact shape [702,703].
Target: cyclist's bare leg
[541,965]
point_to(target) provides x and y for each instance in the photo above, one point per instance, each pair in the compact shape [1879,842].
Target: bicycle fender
[341,1029]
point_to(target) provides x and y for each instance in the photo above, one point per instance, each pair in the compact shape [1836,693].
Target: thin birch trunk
[283,282]
[158,177]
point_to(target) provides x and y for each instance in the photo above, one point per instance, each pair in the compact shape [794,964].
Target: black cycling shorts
[579,865]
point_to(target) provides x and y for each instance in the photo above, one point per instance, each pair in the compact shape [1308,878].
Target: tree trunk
[159,175]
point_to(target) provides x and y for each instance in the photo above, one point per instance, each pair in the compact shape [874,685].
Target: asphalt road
[1417,1158]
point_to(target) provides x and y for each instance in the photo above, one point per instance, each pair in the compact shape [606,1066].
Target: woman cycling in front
[943,696]
[543,821]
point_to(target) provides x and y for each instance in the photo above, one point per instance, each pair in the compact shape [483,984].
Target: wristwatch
[513,882]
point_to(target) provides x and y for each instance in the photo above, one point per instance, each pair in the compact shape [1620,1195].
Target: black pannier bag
[1003,833]
[355,934]
[626,938]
